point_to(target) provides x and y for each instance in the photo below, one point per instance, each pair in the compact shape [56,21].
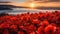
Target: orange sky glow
[49,4]
[36,4]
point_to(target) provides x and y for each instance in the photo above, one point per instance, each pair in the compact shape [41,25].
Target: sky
[27,0]
[50,3]
[15,0]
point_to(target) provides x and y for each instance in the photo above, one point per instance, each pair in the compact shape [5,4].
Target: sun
[32,5]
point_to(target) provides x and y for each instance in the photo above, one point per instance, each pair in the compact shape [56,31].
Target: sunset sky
[30,0]
[44,3]
[15,0]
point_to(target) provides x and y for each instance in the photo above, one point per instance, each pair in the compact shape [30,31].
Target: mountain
[6,7]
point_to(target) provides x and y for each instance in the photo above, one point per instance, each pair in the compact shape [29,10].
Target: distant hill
[6,7]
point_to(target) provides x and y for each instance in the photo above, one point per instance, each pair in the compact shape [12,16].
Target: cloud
[29,0]
[54,0]
[4,0]
[48,0]
[14,0]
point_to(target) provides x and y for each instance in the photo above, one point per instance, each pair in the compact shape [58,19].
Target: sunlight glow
[32,5]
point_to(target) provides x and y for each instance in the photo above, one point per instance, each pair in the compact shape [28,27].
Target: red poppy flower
[5,32]
[33,32]
[4,25]
[50,29]
[35,21]
[45,23]
[32,28]
[40,30]
[13,27]
[20,32]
